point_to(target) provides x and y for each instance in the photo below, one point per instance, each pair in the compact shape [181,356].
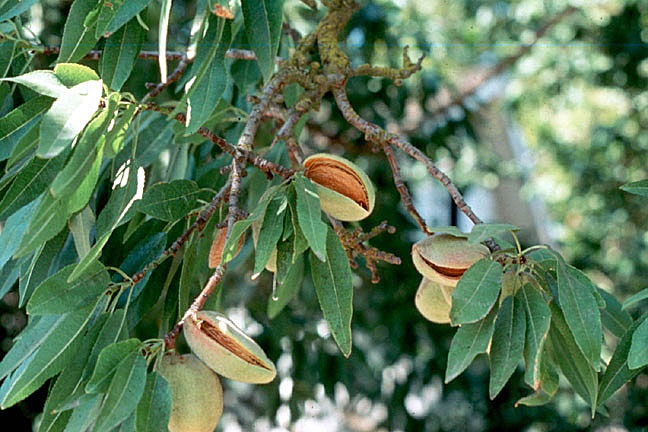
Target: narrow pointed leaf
[617,372]
[476,292]
[38,330]
[638,355]
[13,231]
[50,358]
[44,82]
[125,391]
[581,312]
[55,295]
[30,183]
[170,201]
[67,117]
[538,318]
[152,414]
[84,155]
[332,280]
[613,317]
[573,364]
[77,38]
[211,76]
[635,298]
[508,343]
[638,188]
[270,232]
[262,26]
[19,121]
[12,9]
[469,341]
[108,363]
[231,245]
[120,54]
[116,13]
[310,216]
[70,381]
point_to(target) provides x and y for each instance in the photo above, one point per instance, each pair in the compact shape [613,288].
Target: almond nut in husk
[229,352]
[432,303]
[444,258]
[196,393]
[345,191]
[216,249]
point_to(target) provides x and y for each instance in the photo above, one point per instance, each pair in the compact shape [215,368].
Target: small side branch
[406,198]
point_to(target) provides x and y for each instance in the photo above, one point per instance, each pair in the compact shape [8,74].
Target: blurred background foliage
[573,111]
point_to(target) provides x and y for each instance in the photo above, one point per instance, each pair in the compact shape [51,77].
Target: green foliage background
[579,97]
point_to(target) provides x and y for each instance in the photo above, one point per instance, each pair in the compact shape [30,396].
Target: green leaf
[310,216]
[67,117]
[87,150]
[613,317]
[84,413]
[211,76]
[482,232]
[263,26]
[50,358]
[11,10]
[43,82]
[536,399]
[113,331]
[113,15]
[39,268]
[70,381]
[125,391]
[170,201]
[573,364]
[538,318]
[77,38]
[146,251]
[293,275]
[149,137]
[7,52]
[507,345]
[48,220]
[38,330]
[108,363]
[81,225]
[638,355]
[56,296]
[450,230]
[581,312]
[72,74]
[332,280]
[270,232]
[117,133]
[153,410]
[469,341]
[476,292]
[13,231]
[120,54]
[30,183]
[617,372]
[638,188]
[231,245]
[635,298]
[19,121]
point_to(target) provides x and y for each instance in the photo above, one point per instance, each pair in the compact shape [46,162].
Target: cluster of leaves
[549,315]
